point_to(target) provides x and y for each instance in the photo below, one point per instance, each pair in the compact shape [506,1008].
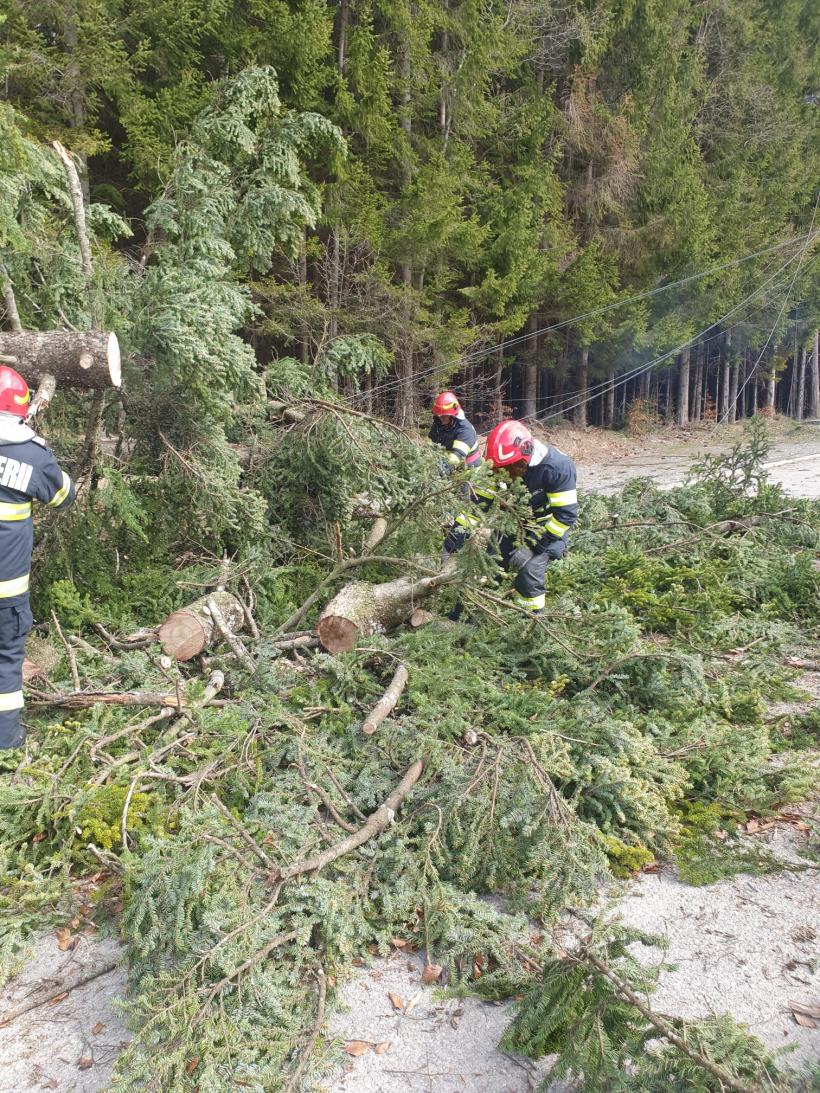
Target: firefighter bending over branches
[549,476]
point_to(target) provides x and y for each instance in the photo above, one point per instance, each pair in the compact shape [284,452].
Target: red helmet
[446,405]
[509,442]
[14,393]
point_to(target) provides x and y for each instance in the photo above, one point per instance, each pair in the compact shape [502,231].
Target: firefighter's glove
[519,558]
[444,468]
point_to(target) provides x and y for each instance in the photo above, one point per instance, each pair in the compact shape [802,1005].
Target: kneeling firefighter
[550,477]
[28,470]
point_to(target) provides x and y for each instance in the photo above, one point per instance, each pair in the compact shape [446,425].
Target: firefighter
[549,475]
[454,433]
[28,471]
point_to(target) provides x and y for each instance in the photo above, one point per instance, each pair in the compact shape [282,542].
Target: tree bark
[683,387]
[531,369]
[86,359]
[814,385]
[723,409]
[697,393]
[609,418]
[771,388]
[341,47]
[800,398]
[387,702]
[582,382]
[361,609]
[191,630]
[732,416]
[12,314]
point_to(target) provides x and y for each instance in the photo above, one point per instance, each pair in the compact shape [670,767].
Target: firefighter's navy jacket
[28,471]
[550,478]
[460,441]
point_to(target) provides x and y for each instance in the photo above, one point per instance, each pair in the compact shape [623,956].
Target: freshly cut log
[191,630]
[360,609]
[88,359]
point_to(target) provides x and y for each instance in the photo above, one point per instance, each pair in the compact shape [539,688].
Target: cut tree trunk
[361,609]
[188,632]
[86,359]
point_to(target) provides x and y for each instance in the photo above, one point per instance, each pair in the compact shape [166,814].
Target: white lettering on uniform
[10,473]
[23,477]
[3,459]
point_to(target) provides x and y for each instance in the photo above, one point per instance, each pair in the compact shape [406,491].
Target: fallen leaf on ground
[396,1000]
[50,1083]
[192,1064]
[805,1015]
[382,1047]
[97,1029]
[409,1007]
[802,1019]
[85,1063]
[399,942]
[431,973]
[357,1047]
[63,935]
[57,998]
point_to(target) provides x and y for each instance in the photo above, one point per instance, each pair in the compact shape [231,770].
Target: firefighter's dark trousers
[15,623]
[529,581]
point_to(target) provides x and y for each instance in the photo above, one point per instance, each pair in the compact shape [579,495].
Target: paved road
[799,474]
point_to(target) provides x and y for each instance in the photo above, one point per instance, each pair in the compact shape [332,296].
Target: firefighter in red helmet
[549,476]
[454,433]
[28,471]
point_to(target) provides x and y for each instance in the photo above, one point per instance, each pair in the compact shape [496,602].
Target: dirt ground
[741,946]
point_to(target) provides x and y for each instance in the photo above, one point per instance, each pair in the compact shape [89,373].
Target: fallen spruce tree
[252,841]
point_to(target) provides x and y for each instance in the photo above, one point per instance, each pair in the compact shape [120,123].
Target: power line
[753,370]
[634,373]
[471,358]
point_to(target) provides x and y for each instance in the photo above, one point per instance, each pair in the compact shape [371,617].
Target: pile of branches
[274,811]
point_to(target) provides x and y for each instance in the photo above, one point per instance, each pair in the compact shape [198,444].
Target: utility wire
[471,358]
[633,373]
[754,368]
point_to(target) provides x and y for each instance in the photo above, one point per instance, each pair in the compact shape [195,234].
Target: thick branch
[376,823]
[387,702]
[236,645]
[76,192]
[12,313]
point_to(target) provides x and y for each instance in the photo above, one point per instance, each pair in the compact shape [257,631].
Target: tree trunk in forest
[800,363]
[771,388]
[582,381]
[304,341]
[341,39]
[531,369]
[404,353]
[498,386]
[723,406]
[668,401]
[732,416]
[89,359]
[683,387]
[361,609]
[610,402]
[814,384]
[191,630]
[697,393]
[643,389]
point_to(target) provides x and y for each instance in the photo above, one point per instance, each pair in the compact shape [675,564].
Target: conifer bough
[88,359]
